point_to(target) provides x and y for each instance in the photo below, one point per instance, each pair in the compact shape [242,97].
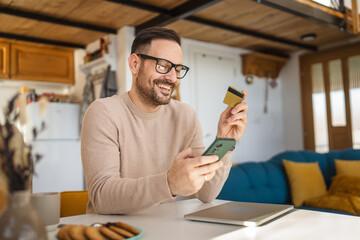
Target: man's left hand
[233,121]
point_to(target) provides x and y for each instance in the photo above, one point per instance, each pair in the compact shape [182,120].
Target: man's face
[155,88]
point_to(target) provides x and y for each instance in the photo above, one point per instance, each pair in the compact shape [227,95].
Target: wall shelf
[262,65]
[86,68]
[109,58]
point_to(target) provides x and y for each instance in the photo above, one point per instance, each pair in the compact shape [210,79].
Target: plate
[137,237]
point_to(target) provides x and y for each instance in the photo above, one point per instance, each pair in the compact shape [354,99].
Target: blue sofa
[266,182]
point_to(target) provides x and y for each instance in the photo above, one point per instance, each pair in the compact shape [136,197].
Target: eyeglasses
[164,66]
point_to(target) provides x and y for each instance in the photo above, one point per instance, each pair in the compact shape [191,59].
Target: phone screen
[220,147]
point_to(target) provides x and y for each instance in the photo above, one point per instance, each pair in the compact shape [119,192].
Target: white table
[166,221]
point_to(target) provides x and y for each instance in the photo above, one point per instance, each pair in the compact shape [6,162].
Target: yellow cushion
[347,167]
[73,203]
[341,202]
[306,181]
[345,184]
[343,195]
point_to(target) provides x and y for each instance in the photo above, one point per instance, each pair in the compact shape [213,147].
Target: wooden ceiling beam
[44,18]
[183,12]
[40,40]
[180,12]
[252,33]
[141,6]
[308,11]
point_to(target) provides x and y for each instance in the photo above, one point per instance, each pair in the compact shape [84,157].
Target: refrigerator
[60,168]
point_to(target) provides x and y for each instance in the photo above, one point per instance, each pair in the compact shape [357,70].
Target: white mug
[48,206]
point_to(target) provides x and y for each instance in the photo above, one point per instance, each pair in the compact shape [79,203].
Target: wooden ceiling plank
[245,14]
[252,33]
[249,14]
[55,8]
[6,3]
[299,9]
[60,21]
[180,12]
[163,20]
[42,30]
[209,34]
[267,20]
[155,6]
[21,26]
[239,13]
[142,6]
[76,35]
[98,13]
[39,40]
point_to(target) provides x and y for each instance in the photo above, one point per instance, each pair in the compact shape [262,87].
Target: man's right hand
[188,173]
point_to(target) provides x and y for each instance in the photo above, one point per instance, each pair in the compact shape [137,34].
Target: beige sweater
[126,154]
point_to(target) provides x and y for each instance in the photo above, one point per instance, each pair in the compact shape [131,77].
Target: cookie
[127,227]
[77,232]
[110,234]
[121,231]
[63,233]
[93,233]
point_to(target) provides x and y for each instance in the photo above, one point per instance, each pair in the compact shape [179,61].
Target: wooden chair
[3,192]
[73,203]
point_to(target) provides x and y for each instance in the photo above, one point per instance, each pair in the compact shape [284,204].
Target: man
[140,149]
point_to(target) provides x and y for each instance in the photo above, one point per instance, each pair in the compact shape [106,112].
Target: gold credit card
[233,97]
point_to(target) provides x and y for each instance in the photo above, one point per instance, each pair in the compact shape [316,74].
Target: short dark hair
[143,38]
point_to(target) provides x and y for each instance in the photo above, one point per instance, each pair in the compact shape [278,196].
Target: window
[354,86]
[319,109]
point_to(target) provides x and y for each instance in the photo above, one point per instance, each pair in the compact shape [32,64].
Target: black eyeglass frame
[183,67]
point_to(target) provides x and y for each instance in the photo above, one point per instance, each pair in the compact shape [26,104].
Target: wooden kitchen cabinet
[4,60]
[41,63]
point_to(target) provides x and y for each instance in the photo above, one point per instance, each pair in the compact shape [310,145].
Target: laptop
[240,213]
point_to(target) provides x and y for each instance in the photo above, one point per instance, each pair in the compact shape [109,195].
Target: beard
[149,94]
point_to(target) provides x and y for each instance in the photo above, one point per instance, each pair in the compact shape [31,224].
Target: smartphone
[220,147]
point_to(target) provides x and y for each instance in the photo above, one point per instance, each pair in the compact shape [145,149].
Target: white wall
[124,40]
[291,101]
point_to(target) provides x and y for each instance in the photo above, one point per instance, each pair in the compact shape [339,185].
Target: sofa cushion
[347,167]
[343,195]
[324,161]
[304,207]
[256,182]
[345,184]
[306,181]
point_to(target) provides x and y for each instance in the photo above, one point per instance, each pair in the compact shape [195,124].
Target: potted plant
[19,219]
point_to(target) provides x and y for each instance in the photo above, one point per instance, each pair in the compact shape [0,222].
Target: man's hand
[233,121]
[189,173]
